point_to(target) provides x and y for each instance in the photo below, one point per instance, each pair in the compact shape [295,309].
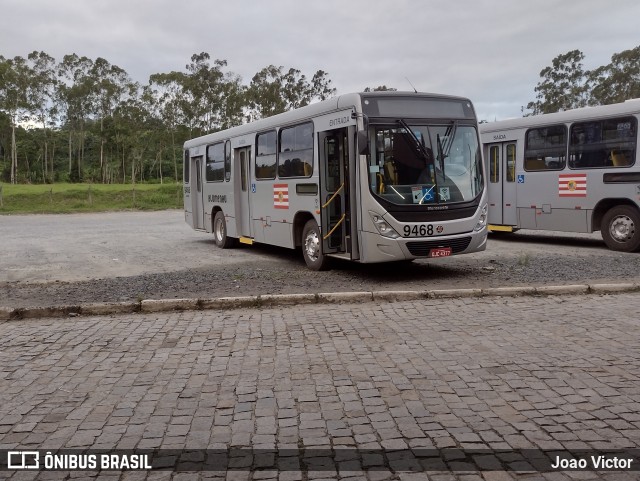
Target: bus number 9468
[418,230]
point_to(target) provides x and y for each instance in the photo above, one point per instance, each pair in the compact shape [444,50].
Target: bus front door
[334,189]
[243,191]
[502,184]
[197,203]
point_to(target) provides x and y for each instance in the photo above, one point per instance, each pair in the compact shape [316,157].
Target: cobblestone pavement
[557,372]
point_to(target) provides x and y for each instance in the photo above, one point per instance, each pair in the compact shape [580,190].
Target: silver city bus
[572,171]
[369,177]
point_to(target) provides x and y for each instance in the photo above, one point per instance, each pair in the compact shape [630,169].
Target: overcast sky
[491,51]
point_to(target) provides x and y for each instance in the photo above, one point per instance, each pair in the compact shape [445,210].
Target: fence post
[90,198]
[51,195]
[1,202]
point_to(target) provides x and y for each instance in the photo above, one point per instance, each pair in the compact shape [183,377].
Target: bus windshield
[426,164]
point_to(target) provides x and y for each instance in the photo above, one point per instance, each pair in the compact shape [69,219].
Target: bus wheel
[312,247]
[621,228]
[220,231]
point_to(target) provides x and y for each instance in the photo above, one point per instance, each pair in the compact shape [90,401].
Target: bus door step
[246,240]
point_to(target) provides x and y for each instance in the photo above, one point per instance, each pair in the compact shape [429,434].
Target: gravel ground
[278,271]
[49,260]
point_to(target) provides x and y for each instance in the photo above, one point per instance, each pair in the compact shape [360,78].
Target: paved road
[492,374]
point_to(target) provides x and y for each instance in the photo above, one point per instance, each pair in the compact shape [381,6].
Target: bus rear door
[502,184]
[242,188]
[197,202]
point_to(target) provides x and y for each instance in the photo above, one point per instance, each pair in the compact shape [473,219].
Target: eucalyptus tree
[110,86]
[618,81]
[234,101]
[132,118]
[76,95]
[166,98]
[14,81]
[41,92]
[204,89]
[273,90]
[563,85]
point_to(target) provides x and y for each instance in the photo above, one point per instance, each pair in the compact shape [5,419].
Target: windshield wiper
[428,159]
[443,150]
[419,145]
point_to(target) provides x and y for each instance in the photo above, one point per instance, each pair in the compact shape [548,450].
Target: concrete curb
[270,300]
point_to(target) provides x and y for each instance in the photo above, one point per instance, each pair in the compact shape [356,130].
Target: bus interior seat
[390,173]
[535,164]
[308,169]
[619,159]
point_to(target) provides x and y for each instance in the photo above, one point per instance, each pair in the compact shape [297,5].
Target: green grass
[66,198]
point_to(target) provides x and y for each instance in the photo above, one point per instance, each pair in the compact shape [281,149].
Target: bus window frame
[258,155]
[540,161]
[606,145]
[207,162]
[291,151]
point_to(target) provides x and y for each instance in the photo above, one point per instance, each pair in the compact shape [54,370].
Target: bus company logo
[281,196]
[572,185]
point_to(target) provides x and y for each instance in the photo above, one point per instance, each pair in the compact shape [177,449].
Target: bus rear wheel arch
[620,228]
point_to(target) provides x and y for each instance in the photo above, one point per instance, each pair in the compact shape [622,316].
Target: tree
[76,96]
[381,88]
[563,85]
[273,91]
[14,82]
[166,96]
[41,101]
[204,86]
[618,81]
[110,85]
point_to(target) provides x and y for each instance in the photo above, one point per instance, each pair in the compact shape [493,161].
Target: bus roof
[309,111]
[586,113]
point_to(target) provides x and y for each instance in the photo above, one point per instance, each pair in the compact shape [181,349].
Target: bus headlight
[482,221]
[383,228]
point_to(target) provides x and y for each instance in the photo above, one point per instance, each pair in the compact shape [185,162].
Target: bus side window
[265,157]
[545,148]
[603,143]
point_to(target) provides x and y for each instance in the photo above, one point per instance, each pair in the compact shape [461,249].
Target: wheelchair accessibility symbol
[521,179]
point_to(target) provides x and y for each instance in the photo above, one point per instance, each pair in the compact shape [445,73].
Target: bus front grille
[422,248]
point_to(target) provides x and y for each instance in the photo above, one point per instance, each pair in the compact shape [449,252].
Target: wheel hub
[219,230]
[622,228]
[312,246]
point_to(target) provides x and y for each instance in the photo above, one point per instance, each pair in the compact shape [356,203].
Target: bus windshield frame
[425,164]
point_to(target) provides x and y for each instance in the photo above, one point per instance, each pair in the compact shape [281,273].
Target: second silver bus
[572,171]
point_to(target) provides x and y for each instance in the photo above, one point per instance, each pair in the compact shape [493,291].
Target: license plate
[440,252]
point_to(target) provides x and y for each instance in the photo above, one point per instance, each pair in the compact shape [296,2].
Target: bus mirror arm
[363,142]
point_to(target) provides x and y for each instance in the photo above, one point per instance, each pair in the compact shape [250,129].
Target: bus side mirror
[363,142]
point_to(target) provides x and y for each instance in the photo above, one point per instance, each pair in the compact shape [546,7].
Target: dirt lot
[71,259]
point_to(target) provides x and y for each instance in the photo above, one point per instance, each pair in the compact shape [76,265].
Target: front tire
[312,247]
[621,228]
[220,231]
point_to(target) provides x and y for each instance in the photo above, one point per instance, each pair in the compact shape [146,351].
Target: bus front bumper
[380,249]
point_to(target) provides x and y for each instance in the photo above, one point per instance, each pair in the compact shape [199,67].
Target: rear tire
[312,247]
[220,231]
[621,228]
